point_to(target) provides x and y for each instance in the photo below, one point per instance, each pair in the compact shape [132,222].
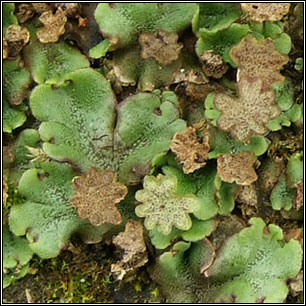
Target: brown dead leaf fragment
[97,194]
[299,196]
[294,233]
[8,157]
[41,7]
[247,114]
[259,59]
[37,154]
[162,46]
[131,240]
[16,38]
[70,9]
[5,48]
[4,192]
[260,12]
[191,150]
[296,285]
[269,173]
[190,76]
[133,244]
[209,256]
[247,195]
[54,26]
[25,11]
[198,92]
[237,168]
[197,85]
[213,64]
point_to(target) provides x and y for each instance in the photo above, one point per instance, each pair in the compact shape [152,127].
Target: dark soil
[80,275]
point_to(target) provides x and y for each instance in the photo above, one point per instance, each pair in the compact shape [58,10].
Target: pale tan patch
[237,168]
[54,26]
[133,244]
[162,46]
[259,59]
[260,12]
[213,64]
[191,150]
[97,194]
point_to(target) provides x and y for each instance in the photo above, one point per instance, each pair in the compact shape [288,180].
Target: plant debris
[54,26]
[70,9]
[296,285]
[237,168]
[133,244]
[163,46]
[6,50]
[4,192]
[247,195]
[97,194]
[190,149]
[16,38]
[41,7]
[25,12]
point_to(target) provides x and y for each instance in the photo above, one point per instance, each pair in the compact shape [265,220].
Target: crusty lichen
[249,113]
[237,168]
[260,12]
[162,207]
[163,46]
[97,194]
[190,149]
